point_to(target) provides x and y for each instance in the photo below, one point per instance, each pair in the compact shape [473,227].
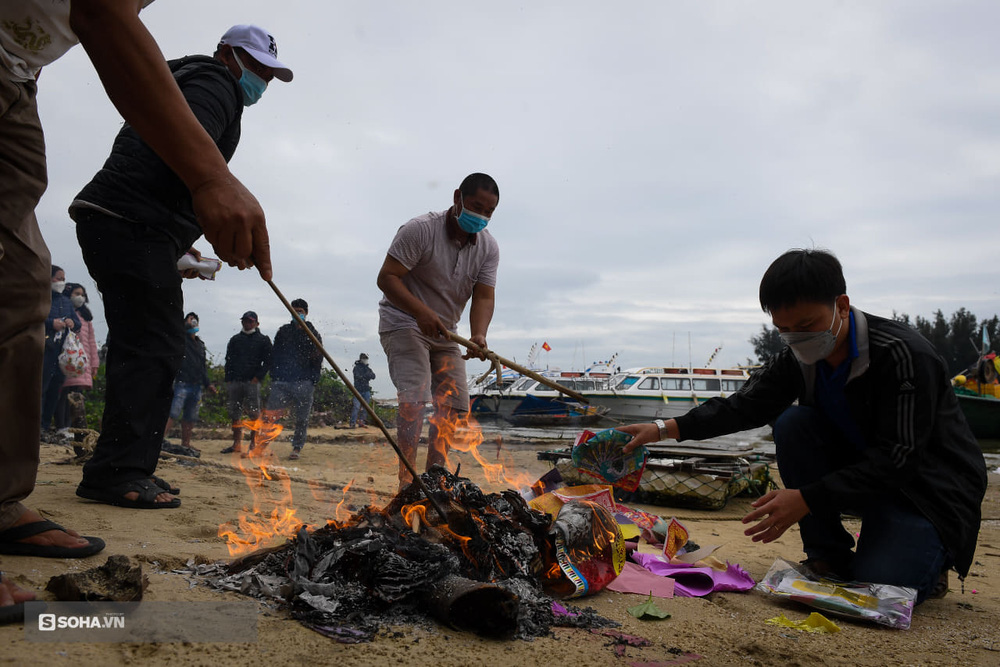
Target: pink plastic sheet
[637,579]
[692,581]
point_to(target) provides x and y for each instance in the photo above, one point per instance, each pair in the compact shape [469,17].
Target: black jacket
[363,375]
[61,308]
[294,357]
[899,394]
[193,368]
[137,185]
[247,356]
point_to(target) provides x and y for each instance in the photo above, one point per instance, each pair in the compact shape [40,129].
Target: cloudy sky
[653,158]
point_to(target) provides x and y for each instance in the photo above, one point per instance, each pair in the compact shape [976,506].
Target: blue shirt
[829,391]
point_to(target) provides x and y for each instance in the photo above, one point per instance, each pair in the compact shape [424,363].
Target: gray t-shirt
[442,272]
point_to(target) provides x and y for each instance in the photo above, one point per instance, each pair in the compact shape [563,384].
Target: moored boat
[978,394]
[661,392]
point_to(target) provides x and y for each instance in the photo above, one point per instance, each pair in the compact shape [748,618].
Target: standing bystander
[363,375]
[247,355]
[295,366]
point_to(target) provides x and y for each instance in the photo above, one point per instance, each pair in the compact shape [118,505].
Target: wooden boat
[982,413]
[701,477]
[978,393]
[539,411]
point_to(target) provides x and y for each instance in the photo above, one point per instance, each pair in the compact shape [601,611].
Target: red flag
[545,346]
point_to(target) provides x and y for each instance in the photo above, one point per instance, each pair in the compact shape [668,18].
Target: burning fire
[459,431]
[258,527]
[273,515]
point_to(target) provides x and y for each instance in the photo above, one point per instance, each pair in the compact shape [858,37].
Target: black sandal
[11,546]
[166,486]
[115,495]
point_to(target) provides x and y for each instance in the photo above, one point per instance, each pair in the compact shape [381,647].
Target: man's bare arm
[139,83]
[390,281]
[481,313]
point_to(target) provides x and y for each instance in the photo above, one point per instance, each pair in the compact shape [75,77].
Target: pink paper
[691,581]
[637,579]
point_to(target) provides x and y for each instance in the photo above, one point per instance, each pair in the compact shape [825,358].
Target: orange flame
[460,431]
[257,527]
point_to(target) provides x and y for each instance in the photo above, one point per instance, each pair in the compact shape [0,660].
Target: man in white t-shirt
[436,263]
[34,33]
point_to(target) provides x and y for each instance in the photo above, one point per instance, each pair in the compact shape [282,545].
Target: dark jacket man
[247,356]
[294,357]
[917,442]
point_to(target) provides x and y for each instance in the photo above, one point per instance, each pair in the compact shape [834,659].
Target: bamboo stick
[497,359]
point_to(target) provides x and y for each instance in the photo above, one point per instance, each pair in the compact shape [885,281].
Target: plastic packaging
[589,550]
[206,266]
[881,603]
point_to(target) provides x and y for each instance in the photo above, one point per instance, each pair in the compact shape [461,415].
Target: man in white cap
[134,221]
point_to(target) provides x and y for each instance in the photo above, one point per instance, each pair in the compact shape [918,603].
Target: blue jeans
[184,407]
[898,545]
[356,407]
[299,395]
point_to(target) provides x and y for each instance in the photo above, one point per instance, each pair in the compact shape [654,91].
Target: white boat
[504,402]
[641,394]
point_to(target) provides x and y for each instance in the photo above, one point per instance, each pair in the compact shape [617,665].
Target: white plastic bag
[73,360]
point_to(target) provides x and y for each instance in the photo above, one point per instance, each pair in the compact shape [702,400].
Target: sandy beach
[723,629]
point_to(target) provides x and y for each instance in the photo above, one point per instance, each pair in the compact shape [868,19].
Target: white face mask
[78,300]
[810,347]
[59,286]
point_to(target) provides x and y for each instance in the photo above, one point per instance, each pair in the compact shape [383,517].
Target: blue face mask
[192,330]
[470,222]
[253,86]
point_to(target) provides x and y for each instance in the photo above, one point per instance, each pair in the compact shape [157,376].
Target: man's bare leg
[410,422]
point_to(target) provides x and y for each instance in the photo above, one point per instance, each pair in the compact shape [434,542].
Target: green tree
[767,344]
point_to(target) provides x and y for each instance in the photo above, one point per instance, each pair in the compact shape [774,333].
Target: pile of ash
[480,571]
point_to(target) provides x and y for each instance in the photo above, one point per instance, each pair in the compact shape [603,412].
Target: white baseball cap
[259,44]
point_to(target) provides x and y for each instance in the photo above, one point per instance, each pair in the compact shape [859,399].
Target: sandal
[10,546]
[166,486]
[115,495]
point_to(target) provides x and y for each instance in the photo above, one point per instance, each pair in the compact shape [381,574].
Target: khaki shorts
[425,369]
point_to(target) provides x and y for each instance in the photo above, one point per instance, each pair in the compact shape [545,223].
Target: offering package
[881,603]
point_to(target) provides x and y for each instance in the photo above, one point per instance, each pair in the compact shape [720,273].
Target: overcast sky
[653,158]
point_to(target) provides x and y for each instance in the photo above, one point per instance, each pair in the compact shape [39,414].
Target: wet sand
[725,628]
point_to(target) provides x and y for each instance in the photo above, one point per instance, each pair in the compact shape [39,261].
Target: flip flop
[166,486]
[10,546]
[115,495]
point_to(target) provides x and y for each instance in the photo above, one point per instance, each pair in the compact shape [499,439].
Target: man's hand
[234,224]
[481,342]
[189,274]
[778,510]
[58,324]
[642,434]
[430,324]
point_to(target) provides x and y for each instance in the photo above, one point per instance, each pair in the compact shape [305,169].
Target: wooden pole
[497,359]
[369,409]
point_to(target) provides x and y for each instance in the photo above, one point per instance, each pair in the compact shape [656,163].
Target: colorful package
[881,603]
[552,502]
[600,455]
[589,550]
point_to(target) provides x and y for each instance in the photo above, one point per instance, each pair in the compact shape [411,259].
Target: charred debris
[481,571]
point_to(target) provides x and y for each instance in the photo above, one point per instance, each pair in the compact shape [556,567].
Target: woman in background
[64,414]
